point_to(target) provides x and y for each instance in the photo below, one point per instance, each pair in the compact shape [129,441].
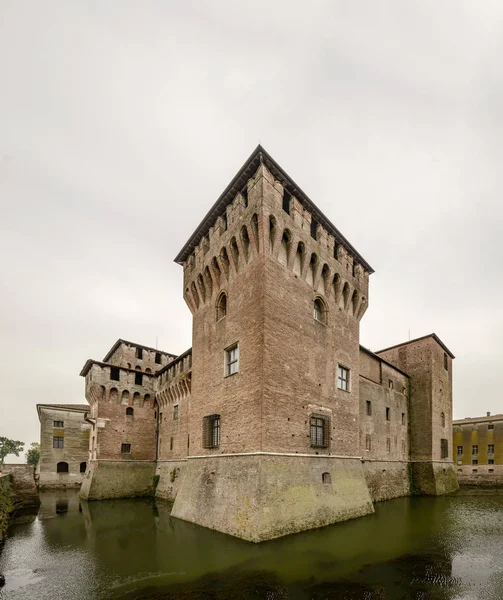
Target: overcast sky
[122,122]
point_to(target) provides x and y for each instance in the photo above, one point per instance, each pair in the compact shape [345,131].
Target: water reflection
[438,548]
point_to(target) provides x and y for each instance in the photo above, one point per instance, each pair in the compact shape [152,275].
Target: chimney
[488,414]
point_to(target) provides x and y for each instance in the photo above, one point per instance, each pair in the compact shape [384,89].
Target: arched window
[83,466]
[221,306]
[320,312]
[442,418]
[129,412]
[62,467]
[147,370]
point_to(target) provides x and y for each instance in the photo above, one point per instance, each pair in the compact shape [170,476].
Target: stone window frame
[475,461]
[231,358]
[138,378]
[139,353]
[58,424]
[158,358]
[211,431]
[343,378]
[60,443]
[319,422]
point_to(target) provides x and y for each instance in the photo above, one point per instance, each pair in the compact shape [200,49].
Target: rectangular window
[388,413]
[490,461]
[475,461]
[286,201]
[490,449]
[211,431]
[490,470]
[403,418]
[139,353]
[490,426]
[58,441]
[158,358]
[446,362]
[138,378]
[343,378]
[125,448]
[369,408]
[232,360]
[368,442]
[58,423]
[390,384]
[475,450]
[314,228]
[388,444]
[115,373]
[171,443]
[460,450]
[474,471]
[444,448]
[319,431]
[175,412]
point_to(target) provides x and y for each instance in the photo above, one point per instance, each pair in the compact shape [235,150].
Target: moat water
[411,548]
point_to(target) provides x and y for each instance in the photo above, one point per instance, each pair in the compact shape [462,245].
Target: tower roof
[430,335]
[257,157]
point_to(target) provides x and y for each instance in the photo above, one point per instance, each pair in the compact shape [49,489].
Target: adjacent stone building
[276,420]
[64,444]
[478,449]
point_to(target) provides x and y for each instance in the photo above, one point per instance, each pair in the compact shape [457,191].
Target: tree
[33,454]
[9,447]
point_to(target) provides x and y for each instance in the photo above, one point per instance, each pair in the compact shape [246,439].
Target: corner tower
[277,294]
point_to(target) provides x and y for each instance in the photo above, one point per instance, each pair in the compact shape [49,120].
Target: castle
[276,420]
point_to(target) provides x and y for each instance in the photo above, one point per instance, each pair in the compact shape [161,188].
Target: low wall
[261,496]
[387,479]
[433,478]
[485,476]
[50,480]
[107,479]
[170,474]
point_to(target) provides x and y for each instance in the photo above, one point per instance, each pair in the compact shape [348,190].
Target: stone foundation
[170,474]
[260,496]
[387,479]
[430,478]
[107,479]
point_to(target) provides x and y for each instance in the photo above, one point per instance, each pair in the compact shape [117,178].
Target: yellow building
[478,449]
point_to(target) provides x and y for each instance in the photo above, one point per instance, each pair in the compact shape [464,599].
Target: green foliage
[8,446]
[6,507]
[33,454]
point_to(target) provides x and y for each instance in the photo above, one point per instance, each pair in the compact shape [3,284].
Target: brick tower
[277,294]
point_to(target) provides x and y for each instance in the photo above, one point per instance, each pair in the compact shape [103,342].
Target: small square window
[319,431]
[58,442]
[58,424]
[460,450]
[490,470]
[175,412]
[368,442]
[138,378]
[158,358]
[343,378]
[211,431]
[388,413]
[125,448]
[115,373]
[490,426]
[490,461]
[232,360]
[369,408]
[475,461]
[139,353]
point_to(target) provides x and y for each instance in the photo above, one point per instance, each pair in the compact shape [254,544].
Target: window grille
[58,424]
[319,431]
[343,378]
[232,360]
[460,450]
[475,450]
[125,448]
[490,449]
[490,426]
[444,448]
[58,441]
[211,431]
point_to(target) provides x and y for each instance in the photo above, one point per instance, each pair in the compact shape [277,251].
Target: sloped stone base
[118,479]
[431,478]
[259,497]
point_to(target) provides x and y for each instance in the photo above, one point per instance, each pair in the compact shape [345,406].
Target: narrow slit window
[369,408]
[175,412]
[314,228]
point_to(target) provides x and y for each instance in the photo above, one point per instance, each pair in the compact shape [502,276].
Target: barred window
[211,431]
[58,423]
[232,360]
[475,449]
[444,448]
[343,378]
[125,448]
[58,441]
[319,431]
[460,450]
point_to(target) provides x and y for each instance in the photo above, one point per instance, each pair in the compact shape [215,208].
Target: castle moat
[412,548]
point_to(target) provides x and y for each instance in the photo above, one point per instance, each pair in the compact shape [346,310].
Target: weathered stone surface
[118,479]
[171,473]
